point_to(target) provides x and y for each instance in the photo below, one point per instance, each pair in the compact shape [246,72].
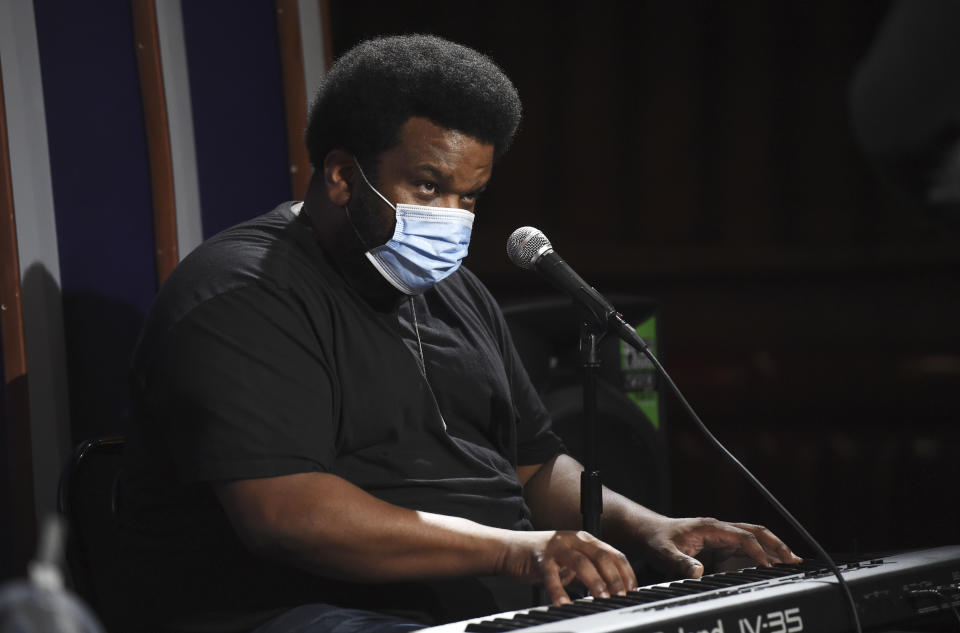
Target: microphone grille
[526,245]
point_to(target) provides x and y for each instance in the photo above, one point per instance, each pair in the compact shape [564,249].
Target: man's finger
[589,575]
[566,576]
[615,570]
[678,563]
[687,566]
[771,543]
[744,540]
[554,586]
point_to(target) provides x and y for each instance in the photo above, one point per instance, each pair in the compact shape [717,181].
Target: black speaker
[630,416]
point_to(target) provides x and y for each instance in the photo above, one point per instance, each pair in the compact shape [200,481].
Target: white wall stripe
[176,87]
[37,244]
[313,45]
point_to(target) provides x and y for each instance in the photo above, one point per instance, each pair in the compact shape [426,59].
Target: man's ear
[339,171]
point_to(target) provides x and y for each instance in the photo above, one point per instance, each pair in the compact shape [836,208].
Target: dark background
[701,154]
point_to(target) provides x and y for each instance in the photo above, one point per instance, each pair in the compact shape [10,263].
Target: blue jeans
[326,618]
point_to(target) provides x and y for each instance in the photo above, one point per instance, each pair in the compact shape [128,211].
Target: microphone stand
[527,241]
[591,489]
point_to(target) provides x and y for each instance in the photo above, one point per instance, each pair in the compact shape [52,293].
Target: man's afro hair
[376,86]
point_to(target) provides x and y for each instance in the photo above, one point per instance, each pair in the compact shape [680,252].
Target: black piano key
[586,606]
[577,608]
[752,576]
[690,582]
[544,616]
[493,626]
[651,594]
[736,576]
[770,572]
[662,590]
[723,581]
[634,598]
[551,614]
[598,604]
[525,620]
[683,589]
[695,586]
[709,580]
[644,595]
[810,564]
[616,601]
[570,611]
[787,570]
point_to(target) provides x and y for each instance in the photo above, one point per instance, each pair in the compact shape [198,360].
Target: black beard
[372,219]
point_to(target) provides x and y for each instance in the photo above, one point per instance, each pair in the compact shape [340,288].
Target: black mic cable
[528,248]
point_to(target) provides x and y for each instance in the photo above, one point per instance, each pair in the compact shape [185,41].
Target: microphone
[528,247]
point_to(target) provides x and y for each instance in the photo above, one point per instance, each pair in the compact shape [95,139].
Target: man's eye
[427,187]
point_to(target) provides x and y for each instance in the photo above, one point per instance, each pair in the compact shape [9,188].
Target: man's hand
[552,490]
[674,544]
[556,558]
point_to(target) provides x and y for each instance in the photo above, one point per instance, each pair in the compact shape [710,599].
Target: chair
[88,497]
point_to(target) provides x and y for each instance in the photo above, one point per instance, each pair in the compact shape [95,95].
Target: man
[333,430]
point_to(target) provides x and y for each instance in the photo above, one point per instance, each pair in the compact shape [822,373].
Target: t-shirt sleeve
[536,441]
[242,389]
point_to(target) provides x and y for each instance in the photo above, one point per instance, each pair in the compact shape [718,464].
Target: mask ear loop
[374,189]
[353,226]
[364,176]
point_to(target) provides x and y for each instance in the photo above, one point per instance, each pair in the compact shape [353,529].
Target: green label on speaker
[639,374]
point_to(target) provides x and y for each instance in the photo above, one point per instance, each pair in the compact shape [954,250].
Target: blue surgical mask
[427,246]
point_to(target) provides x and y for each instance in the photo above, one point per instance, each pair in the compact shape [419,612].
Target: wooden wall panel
[294,92]
[16,462]
[158,135]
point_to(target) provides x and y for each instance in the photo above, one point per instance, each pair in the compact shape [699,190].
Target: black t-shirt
[258,359]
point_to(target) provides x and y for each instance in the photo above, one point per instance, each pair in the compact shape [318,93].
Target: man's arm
[552,490]
[325,524]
